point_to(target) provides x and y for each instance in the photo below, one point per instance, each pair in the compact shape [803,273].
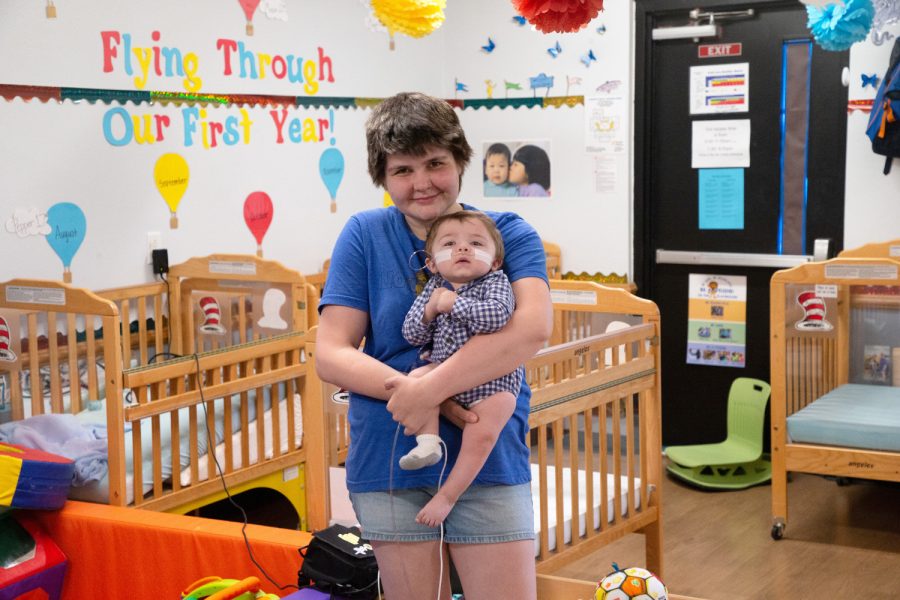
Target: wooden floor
[840,542]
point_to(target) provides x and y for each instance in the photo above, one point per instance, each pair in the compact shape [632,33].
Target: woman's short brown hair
[408,123]
[467,215]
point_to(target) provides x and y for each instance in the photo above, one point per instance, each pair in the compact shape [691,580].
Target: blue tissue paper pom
[838,26]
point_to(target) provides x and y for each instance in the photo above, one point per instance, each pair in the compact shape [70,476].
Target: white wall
[57,152]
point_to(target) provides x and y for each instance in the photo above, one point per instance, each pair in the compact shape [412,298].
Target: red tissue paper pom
[562,16]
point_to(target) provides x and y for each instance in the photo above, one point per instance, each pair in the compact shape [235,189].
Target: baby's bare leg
[477,442]
[428,444]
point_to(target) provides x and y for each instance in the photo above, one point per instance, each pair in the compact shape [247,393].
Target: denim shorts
[484,514]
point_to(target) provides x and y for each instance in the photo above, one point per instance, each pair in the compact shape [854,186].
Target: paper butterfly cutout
[601,30]
[554,52]
[587,58]
[871,80]
[519,19]
[490,46]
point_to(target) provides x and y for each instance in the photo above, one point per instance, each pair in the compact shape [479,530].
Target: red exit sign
[716,50]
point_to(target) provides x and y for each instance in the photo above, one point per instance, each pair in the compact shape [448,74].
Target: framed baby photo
[516,169]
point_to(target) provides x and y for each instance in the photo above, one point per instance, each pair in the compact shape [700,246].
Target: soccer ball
[631,584]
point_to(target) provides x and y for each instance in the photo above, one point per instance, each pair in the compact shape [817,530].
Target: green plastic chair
[738,462]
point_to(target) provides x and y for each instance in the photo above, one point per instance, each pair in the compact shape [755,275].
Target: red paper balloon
[561,16]
[258,214]
[249,7]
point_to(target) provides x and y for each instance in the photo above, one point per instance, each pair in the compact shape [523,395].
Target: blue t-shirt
[373,269]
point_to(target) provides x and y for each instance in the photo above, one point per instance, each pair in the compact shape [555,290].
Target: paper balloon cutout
[331,170]
[249,7]
[258,216]
[67,229]
[171,175]
[415,18]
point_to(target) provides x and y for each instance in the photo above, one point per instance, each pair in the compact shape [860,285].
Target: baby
[496,172]
[467,295]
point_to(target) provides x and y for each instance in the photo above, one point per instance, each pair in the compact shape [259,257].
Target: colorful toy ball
[631,584]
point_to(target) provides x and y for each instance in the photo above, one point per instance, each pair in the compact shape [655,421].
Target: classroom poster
[717,89]
[717,315]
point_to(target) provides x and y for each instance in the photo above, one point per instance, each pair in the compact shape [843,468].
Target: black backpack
[338,561]
[884,121]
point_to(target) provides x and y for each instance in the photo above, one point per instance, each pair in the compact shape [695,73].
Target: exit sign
[716,50]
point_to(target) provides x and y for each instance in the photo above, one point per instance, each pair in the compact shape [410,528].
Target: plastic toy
[216,588]
[633,583]
[31,565]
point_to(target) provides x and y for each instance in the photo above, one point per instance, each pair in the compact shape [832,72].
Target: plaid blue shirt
[482,306]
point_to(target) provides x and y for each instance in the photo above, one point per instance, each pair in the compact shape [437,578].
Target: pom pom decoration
[415,18]
[836,27]
[563,16]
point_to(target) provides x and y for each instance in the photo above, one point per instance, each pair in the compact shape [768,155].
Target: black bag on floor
[340,562]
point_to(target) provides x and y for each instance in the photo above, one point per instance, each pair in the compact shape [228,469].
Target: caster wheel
[777,531]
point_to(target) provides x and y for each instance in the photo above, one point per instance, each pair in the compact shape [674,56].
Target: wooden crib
[826,318]
[890,249]
[249,371]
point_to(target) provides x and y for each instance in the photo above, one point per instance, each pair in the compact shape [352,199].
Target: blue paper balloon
[331,170]
[67,228]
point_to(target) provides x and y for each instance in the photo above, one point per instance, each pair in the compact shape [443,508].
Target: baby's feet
[434,513]
[426,453]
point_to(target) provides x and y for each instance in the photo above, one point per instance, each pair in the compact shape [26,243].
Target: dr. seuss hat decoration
[839,25]
[563,16]
[212,316]
[6,353]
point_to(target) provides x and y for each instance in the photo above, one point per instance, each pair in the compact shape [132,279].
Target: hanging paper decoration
[331,170]
[588,58]
[887,12]
[258,216]
[50,10]
[274,9]
[249,7]
[838,26]
[415,18]
[554,51]
[67,229]
[870,80]
[563,16]
[171,175]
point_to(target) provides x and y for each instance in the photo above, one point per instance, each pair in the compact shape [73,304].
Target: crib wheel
[778,531]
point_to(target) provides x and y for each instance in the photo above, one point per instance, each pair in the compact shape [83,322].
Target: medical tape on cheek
[485,257]
[442,256]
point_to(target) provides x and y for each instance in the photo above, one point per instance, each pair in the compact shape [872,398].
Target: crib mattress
[852,415]
[582,502]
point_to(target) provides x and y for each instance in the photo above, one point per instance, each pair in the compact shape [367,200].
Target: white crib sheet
[582,501]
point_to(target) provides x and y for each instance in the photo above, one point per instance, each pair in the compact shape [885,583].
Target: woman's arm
[339,360]
[481,359]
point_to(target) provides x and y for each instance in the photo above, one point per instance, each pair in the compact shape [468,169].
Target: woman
[417,151]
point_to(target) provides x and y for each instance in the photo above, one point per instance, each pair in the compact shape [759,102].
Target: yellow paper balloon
[387,200]
[415,18]
[171,175]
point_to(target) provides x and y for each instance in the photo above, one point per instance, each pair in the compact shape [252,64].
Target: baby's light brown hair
[467,215]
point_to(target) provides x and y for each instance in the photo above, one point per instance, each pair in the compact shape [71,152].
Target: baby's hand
[446,300]
[431,307]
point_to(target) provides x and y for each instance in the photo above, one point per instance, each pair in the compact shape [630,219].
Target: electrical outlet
[154,241]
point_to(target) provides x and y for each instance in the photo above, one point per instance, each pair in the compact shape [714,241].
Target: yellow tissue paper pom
[415,18]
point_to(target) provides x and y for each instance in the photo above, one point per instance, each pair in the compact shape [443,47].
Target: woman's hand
[411,404]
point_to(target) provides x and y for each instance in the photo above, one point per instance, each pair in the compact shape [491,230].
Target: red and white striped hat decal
[6,353]
[212,316]
[813,312]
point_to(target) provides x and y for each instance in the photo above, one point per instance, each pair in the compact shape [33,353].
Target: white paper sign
[720,89]
[720,144]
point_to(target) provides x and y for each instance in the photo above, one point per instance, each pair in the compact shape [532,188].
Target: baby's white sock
[426,453]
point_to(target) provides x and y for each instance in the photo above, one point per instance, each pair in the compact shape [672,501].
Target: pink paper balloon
[258,214]
[249,7]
